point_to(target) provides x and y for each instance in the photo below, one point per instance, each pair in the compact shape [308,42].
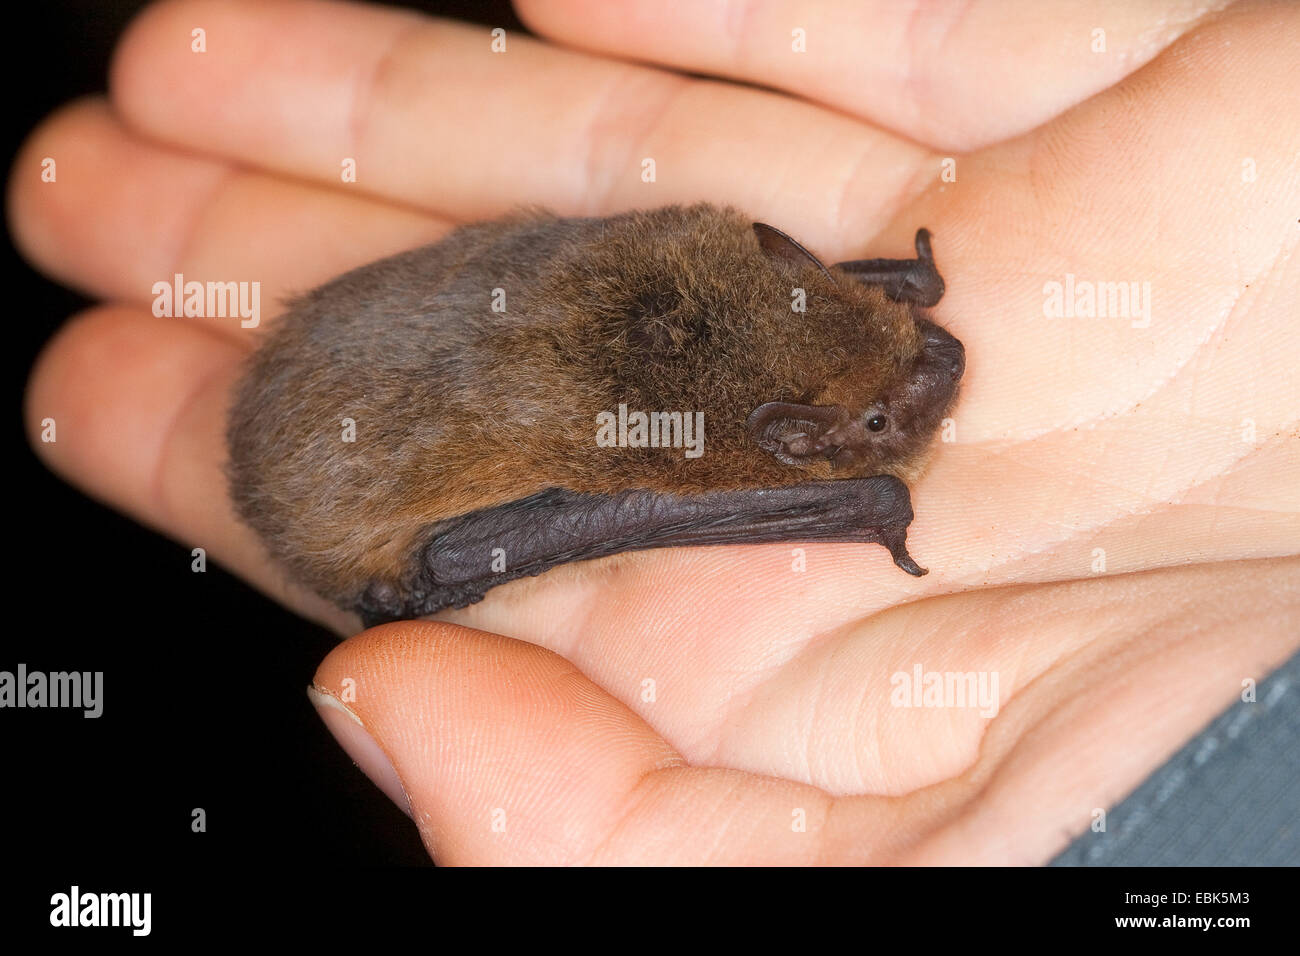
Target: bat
[539,390]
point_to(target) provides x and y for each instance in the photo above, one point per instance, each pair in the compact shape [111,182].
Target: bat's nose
[943,350]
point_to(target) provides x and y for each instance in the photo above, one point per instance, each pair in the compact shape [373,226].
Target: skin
[771,686]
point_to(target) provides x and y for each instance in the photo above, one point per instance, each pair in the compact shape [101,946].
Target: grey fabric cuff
[1229,797]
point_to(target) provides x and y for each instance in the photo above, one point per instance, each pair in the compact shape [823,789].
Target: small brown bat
[424,428]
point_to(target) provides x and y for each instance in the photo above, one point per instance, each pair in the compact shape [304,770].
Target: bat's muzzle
[938,370]
[941,352]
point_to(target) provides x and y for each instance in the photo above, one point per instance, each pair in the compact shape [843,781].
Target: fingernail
[359,745]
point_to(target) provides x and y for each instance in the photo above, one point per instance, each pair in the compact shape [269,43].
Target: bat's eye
[876,423]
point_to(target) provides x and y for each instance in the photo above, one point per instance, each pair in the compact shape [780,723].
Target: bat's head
[878,410]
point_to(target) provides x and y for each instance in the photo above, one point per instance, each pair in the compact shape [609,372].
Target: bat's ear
[797,434]
[777,245]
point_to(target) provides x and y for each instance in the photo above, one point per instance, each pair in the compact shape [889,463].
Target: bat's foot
[915,281]
[463,558]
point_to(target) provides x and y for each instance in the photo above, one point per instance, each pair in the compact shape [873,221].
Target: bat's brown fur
[458,407]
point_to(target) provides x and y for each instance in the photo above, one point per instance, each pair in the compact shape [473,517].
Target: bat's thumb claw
[897,545]
[905,562]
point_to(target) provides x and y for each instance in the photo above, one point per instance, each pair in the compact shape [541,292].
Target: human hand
[772,689]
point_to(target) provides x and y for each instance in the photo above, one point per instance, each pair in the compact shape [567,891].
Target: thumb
[505,754]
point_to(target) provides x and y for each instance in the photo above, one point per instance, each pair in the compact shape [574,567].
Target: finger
[507,755]
[433,118]
[955,76]
[503,753]
[138,408]
[123,214]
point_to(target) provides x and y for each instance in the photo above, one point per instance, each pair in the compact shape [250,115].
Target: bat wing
[463,558]
[904,280]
